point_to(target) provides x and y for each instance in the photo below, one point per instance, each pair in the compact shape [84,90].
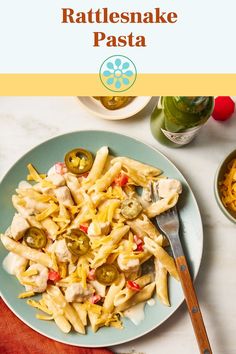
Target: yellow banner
[90,85]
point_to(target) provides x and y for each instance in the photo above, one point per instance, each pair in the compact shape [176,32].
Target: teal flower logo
[118,73]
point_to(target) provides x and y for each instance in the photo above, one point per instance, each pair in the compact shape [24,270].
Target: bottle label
[183,137]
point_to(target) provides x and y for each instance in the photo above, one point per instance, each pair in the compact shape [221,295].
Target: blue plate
[43,157]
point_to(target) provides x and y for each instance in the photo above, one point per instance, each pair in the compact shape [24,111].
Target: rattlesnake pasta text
[104,16]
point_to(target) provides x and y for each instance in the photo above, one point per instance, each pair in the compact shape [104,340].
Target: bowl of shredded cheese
[225,186]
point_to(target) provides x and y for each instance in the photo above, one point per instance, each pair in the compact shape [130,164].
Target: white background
[33,40]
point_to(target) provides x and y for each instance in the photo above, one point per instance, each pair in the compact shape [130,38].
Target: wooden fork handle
[193,306]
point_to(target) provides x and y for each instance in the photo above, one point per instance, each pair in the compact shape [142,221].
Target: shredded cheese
[21,202]
[82,274]
[30,283]
[109,320]
[40,305]
[33,174]
[44,317]
[54,260]
[29,273]
[74,209]
[26,294]
[36,195]
[228,187]
[94,308]
[47,184]
[50,210]
[65,220]
[98,242]
[62,270]
[111,210]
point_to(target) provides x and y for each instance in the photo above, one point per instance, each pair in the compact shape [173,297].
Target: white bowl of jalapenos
[114,107]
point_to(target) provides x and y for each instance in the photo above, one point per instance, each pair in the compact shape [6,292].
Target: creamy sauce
[151,302]
[136,313]
[13,263]
[9,263]
[24,185]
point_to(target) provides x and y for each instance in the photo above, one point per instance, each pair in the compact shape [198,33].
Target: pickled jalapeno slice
[115,102]
[106,274]
[35,238]
[79,161]
[77,242]
[131,208]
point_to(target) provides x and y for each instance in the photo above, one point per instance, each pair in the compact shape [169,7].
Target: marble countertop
[28,121]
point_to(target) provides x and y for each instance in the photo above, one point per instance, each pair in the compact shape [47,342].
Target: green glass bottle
[176,120]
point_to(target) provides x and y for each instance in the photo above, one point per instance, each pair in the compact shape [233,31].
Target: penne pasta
[58,315]
[162,205]
[33,222]
[21,208]
[82,234]
[26,252]
[142,226]
[85,214]
[161,282]
[106,249]
[98,166]
[105,181]
[74,187]
[139,172]
[82,312]
[142,295]
[114,289]
[50,226]
[93,319]
[70,313]
[126,294]
[164,258]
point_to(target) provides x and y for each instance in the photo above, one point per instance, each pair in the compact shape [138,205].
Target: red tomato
[53,276]
[121,180]
[84,228]
[133,286]
[60,168]
[91,275]
[95,298]
[224,108]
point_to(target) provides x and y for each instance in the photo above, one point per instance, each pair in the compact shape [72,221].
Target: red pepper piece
[139,243]
[53,276]
[133,286]
[139,248]
[84,228]
[121,180]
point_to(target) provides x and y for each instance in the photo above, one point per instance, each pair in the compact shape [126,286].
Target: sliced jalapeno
[106,274]
[35,238]
[115,102]
[77,242]
[131,208]
[79,161]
